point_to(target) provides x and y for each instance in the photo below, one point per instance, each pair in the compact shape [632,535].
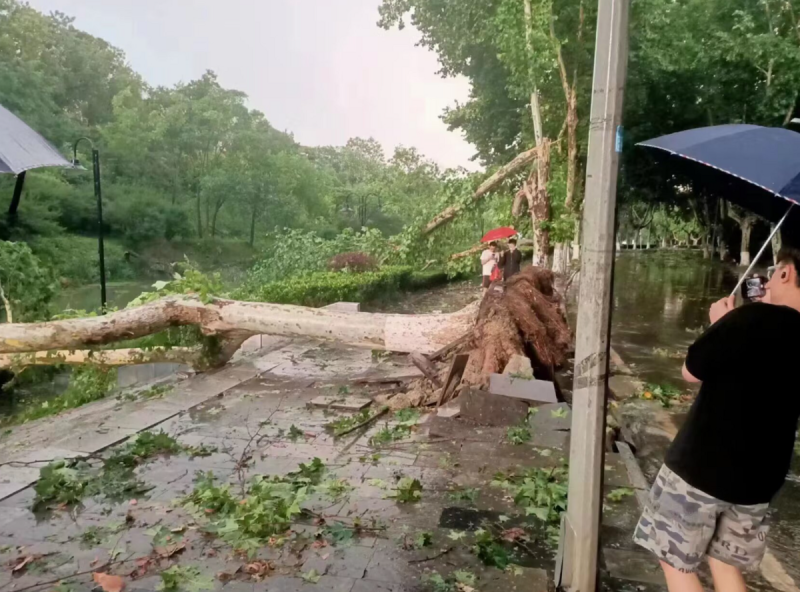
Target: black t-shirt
[736,444]
[511,261]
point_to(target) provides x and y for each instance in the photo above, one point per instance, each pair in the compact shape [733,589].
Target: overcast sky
[321,69]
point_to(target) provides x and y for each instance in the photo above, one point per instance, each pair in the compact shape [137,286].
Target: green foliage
[184,578]
[335,489]
[311,576]
[68,482]
[618,494]
[295,433]
[343,424]
[489,550]
[319,289]
[74,258]
[464,494]
[541,492]
[245,523]
[27,284]
[87,383]
[407,490]
[460,580]
[665,394]
[518,434]
[62,483]
[192,281]
[389,434]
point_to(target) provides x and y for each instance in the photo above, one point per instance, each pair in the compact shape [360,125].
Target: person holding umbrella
[489,260]
[711,498]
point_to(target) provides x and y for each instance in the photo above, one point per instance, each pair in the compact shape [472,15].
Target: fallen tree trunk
[105,357]
[228,323]
[489,185]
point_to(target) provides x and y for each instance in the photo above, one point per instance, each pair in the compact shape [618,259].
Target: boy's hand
[720,308]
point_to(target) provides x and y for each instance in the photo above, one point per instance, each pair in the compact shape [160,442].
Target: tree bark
[539,205]
[777,244]
[253,226]
[7,305]
[106,357]
[489,185]
[746,222]
[227,323]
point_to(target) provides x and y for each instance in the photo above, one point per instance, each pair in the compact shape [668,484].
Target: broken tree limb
[7,305]
[104,357]
[227,323]
[471,251]
[489,185]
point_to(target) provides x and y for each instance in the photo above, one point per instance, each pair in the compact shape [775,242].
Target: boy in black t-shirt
[730,458]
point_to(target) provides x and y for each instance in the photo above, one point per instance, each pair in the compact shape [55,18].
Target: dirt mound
[527,319]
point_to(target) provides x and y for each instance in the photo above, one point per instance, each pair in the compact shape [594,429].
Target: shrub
[354,261]
[75,258]
[319,289]
[27,284]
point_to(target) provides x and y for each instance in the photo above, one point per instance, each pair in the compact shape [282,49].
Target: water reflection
[661,301]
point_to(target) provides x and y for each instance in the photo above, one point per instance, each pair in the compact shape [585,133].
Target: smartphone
[754,287]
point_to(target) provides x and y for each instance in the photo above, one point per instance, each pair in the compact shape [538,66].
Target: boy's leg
[678,581]
[727,578]
[739,543]
[677,526]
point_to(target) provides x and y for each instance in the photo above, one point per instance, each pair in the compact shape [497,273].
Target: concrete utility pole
[582,524]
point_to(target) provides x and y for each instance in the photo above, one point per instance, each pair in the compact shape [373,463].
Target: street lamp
[99,196]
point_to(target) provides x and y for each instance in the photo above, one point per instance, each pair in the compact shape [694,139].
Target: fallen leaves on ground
[258,570]
[168,551]
[108,582]
[513,535]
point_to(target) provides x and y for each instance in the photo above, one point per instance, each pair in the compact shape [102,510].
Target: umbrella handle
[761,251]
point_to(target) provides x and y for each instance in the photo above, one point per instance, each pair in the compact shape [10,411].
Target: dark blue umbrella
[755,167]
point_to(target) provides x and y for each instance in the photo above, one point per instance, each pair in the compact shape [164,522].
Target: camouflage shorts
[682,525]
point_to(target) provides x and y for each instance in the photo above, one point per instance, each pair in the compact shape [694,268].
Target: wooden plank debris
[453,378]
[425,366]
[344,402]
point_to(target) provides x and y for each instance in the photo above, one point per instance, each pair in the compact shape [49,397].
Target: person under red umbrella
[489,260]
[510,260]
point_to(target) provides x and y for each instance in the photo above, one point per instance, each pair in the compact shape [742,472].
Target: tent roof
[21,148]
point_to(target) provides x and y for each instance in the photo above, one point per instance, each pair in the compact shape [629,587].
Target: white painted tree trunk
[233,321]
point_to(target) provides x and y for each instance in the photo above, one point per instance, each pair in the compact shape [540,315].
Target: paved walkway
[255,413]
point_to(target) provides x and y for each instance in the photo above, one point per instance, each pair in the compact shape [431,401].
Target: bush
[75,258]
[27,284]
[319,289]
[297,252]
[355,261]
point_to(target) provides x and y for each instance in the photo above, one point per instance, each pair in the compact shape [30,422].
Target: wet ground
[661,301]
[358,529]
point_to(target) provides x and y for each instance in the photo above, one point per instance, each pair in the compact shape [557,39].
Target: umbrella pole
[761,250]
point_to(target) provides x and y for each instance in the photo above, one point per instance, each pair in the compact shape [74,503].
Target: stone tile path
[247,412]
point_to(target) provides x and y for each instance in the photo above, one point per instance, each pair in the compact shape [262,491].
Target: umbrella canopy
[21,148]
[498,233]
[746,164]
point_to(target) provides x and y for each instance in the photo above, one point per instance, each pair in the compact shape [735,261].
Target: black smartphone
[754,287]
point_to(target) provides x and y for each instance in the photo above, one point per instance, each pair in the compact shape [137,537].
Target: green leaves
[407,490]
[620,493]
[311,576]
[179,578]
[518,434]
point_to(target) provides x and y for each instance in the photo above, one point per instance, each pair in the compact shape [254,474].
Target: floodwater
[87,297]
[661,301]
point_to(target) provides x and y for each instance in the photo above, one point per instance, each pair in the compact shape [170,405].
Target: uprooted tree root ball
[525,319]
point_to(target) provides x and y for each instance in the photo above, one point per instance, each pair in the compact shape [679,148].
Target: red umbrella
[498,233]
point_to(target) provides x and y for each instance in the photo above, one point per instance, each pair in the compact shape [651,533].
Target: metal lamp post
[99,196]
